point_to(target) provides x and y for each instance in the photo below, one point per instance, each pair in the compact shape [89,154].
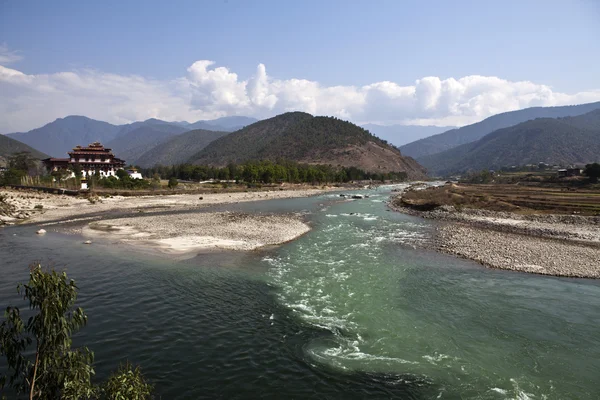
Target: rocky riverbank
[560,245]
[42,208]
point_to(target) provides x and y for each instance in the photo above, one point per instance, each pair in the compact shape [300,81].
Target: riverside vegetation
[37,345]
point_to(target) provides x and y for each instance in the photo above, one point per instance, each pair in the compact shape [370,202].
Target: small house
[134,174]
[573,171]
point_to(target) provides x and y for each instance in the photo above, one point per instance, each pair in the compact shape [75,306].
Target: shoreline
[548,244]
[151,229]
[181,235]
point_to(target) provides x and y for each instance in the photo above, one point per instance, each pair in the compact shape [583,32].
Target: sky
[388,62]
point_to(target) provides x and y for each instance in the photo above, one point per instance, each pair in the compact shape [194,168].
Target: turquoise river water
[356,308]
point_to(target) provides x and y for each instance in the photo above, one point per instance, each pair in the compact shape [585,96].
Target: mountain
[235,122]
[224,124]
[60,136]
[471,133]
[301,137]
[562,141]
[399,135]
[178,149]
[130,145]
[9,146]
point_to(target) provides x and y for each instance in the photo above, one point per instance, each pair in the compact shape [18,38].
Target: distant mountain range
[61,135]
[562,135]
[562,141]
[301,137]
[471,133]
[399,135]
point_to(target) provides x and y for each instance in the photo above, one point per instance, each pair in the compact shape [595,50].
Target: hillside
[131,145]
[399,135]
[301,137]
[560,141]
[179,148]
[9,146]
[60,136]
[471,133]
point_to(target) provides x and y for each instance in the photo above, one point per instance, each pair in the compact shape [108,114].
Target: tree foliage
[268,172]
[127,383]
[54,370]
[173,182]
[592,171]
[41,362]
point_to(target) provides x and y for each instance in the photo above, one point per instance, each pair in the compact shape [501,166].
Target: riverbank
[189,233]
[161,223]
[549,244]
[38,208]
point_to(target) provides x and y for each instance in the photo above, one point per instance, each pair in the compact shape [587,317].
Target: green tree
[22,161]
[173,183]
[127,383]
[77,171]
[40,360]
[51,369]
[592,171]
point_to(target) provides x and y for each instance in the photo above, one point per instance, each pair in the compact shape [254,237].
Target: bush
[173,183]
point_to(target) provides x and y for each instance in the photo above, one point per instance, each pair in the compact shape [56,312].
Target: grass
[505,197]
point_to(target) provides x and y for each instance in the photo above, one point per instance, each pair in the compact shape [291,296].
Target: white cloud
[208,91]
[7,56]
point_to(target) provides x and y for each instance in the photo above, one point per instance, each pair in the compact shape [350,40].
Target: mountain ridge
[470,133]
[178,149]
[301,137]
[562,141]
[58,137]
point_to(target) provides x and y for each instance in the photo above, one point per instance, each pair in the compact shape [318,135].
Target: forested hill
[178,149]
[470,133]
[561,141]
[9,146]
[301,137]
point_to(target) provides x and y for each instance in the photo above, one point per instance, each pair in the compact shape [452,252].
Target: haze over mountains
[555,135]
[399,135]
[561,141]
[61,135]
[178,149]
[473,132]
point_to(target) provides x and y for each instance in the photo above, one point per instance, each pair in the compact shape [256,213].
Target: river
[356,308]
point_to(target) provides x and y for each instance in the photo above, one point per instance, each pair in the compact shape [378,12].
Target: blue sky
[554,45]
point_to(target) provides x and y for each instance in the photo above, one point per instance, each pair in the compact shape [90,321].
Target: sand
[175,233]
[188,233]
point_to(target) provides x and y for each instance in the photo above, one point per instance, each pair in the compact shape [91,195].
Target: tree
[22,160]
[52,369]
[127,383]
[592,171]
[40,360]
[156,181]
[173,182]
